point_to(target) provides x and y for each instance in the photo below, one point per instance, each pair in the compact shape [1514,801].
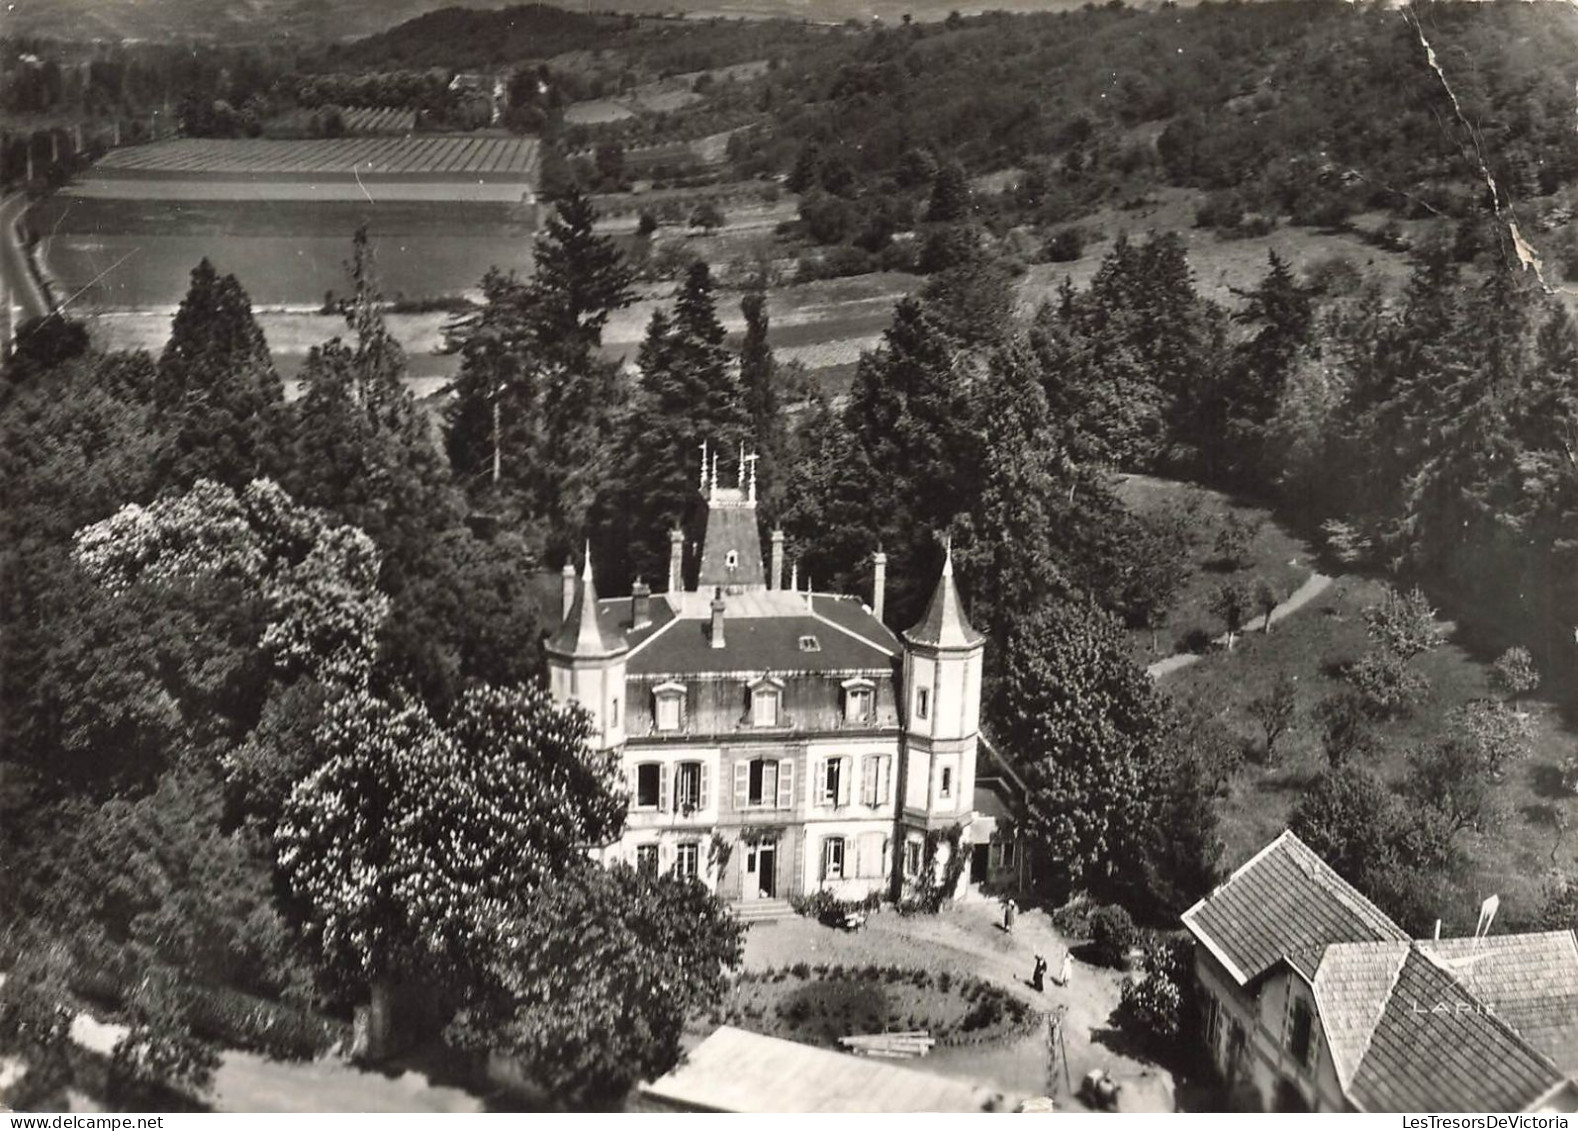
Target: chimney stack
[717,617]
[794,575]
[879,583]
[640,605]
[676,560]
[775,579]
[567,591]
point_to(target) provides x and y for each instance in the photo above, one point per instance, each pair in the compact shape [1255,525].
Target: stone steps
[761,910]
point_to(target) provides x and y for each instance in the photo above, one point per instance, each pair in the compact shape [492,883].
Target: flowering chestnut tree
[318,581]
[414,843]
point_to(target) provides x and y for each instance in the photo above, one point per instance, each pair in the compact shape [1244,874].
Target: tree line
[239,635]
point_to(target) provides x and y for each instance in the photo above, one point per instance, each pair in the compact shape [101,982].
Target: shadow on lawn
[1545,778]
[1113,1038]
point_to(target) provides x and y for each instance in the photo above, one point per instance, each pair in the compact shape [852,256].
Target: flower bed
[819,1004]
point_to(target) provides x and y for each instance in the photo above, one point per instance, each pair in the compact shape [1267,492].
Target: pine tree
[950,195]
[759,381]
[218,393]
[580,278]
[907,411]
[686,394]
[533,405]
[365,451]
[1009,558]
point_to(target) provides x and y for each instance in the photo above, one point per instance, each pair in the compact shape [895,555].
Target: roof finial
[947,554]
[587,574]
[703,485]
[739,472]
[714,493]
[751,459]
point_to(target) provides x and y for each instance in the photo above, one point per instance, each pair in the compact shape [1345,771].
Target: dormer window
[764,707]
[810,644]
[668,707]
[923,703]
[731,560]
[766,694]
[859,695]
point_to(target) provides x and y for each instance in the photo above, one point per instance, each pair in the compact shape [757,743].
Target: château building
[776,741]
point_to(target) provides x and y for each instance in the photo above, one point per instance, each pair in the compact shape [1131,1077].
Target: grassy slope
[1513,858]
[1276,556]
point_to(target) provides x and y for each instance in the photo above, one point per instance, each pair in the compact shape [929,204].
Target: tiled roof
[944,625]
[1436,1047]
[1353,983]
[847,639]
[1285,900]
[1531,981]
[1442,1025]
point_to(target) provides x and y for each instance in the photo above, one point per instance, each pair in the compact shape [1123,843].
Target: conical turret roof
[581,635]
[944,625]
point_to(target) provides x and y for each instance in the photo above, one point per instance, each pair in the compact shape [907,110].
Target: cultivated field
[470,167]
[138,254]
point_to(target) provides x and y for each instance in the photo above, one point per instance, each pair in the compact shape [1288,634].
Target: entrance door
[767,871]
[980,861]
[750,886]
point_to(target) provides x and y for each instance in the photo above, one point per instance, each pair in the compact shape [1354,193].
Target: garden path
[1314,586]
[967,937]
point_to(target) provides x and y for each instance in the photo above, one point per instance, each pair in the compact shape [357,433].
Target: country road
[19,281]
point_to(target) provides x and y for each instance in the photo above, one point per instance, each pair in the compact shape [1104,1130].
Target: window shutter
[826,852]
[786,784]
[634,784]
[704,772]
[868,780]
[846,772]
[742,784]
[885,780]
[663,788]
[819,783]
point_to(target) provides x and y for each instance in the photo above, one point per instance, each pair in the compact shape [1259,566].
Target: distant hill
[240,21]
[226,21]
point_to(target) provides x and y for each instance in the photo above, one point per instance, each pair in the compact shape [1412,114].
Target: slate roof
[944,625]
[731,527]
[1283,902]
[762,633]
[581,633]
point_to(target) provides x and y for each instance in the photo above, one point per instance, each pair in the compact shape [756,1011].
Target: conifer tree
[364,450]
[533,405]
[686,394]
[950,194]
[218,394]
[759,381]
[908,412]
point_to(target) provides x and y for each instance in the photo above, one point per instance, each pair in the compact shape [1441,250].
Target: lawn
[1274,556]
[1514,857]
[819,1004]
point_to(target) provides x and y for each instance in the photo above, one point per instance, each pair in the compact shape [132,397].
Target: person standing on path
[1010,912]
[1068,969]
